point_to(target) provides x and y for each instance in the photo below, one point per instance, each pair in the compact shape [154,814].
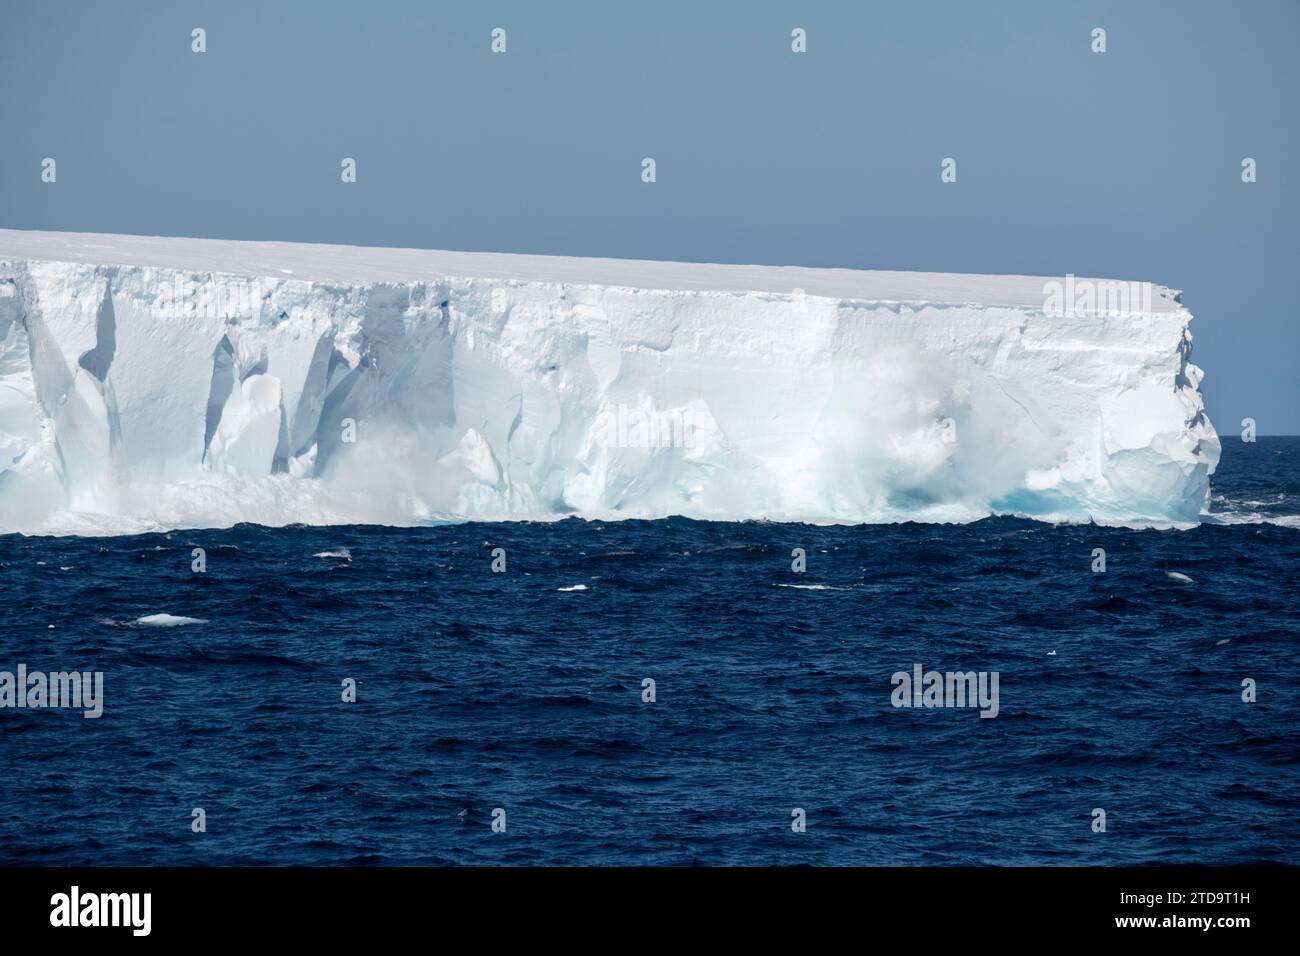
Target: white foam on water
[168,620]
[814,587]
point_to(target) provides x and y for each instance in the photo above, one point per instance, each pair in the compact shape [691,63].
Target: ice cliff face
[162,383]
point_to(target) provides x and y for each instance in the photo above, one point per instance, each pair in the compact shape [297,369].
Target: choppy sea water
[523,691]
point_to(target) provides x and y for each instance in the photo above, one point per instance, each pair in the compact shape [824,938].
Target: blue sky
[1124,165]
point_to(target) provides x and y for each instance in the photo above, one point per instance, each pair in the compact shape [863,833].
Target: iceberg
[154,383]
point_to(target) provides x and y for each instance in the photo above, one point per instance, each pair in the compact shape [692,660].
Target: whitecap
[168,620]
[338,553]
[576,587]
[813,587]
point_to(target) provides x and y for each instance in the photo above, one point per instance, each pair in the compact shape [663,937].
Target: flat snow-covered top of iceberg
[349,265]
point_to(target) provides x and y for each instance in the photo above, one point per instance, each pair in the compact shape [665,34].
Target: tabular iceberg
[155,383]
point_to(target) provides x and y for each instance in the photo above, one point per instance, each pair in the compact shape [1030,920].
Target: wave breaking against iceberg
[155,383]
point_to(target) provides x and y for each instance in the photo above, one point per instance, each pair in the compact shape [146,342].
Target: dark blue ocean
[479,690]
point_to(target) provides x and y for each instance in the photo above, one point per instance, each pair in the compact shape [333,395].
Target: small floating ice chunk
[1178,576]
[168,620]
[576,587]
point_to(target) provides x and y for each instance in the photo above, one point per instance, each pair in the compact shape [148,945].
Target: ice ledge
[365,265]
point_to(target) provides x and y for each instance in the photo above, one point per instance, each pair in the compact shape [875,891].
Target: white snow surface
[153,383]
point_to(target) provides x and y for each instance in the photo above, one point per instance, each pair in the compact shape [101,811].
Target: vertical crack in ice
[223,380]
[99,360]
[306,419]
[96,361]
[514,426]
[335,408]
[1184,356]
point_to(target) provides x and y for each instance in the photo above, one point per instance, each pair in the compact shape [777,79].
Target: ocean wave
[168,620]
[816,587]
